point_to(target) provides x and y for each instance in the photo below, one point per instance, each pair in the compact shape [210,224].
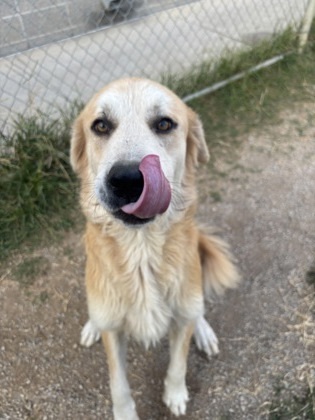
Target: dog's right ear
[78,157]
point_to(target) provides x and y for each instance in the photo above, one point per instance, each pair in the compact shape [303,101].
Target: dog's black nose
[125,182]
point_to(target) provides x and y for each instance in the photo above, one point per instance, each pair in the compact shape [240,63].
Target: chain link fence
[53,52]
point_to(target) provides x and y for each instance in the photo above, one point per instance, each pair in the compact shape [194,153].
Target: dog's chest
[148,312]
[137,287]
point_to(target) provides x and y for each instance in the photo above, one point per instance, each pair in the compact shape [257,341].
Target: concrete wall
[29,23]
[26,24]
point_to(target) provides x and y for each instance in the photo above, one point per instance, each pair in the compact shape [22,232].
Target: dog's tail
[218,270]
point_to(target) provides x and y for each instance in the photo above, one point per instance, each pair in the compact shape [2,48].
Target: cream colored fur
[149,280]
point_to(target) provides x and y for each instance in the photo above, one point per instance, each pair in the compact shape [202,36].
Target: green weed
[28,270]
[37,186]
[310,275]
[41,299]
[230,63]
[256,99]
[216,196]
[295,408]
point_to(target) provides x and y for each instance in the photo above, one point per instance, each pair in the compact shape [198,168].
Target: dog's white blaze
[123,101]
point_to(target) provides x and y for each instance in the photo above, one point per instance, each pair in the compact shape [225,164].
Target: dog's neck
[154,232]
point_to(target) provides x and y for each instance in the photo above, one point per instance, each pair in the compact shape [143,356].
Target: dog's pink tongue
[156,194]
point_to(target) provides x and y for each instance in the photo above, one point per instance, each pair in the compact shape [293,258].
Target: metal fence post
[306,25]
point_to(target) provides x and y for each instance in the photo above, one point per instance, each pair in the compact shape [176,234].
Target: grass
[258,98]
[230,64]
[37,187]
[216,196]
[310,275]
[297,408]
[29,269]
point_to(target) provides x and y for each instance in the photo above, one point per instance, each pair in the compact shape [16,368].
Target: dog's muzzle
[139,189]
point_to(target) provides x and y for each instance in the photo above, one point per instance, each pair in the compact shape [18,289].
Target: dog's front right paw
[89,335]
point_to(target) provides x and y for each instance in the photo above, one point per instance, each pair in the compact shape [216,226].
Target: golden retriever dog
[136,147]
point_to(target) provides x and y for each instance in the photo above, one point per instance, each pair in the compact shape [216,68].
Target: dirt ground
[263,203]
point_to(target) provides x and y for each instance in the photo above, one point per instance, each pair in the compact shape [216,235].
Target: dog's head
[135,147]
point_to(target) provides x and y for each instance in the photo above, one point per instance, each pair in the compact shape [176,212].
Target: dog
[136,147]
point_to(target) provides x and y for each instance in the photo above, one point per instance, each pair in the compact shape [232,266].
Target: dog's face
[134,146]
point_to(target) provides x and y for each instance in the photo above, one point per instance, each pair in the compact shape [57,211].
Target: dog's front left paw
[175,397]
[89,335]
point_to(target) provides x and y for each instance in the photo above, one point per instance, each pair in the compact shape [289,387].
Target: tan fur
[218,271]
[150,280]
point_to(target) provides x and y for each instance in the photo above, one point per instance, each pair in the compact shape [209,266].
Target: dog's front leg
[115,344]
[175,390]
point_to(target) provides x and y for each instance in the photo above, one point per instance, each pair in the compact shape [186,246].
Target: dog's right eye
[102,127]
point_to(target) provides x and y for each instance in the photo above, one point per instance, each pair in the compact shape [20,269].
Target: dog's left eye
[101,127]
[164,125]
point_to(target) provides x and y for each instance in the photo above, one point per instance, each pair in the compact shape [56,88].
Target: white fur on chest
[136,302]
[147,318]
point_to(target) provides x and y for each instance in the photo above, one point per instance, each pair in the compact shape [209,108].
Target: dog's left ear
[197,149]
